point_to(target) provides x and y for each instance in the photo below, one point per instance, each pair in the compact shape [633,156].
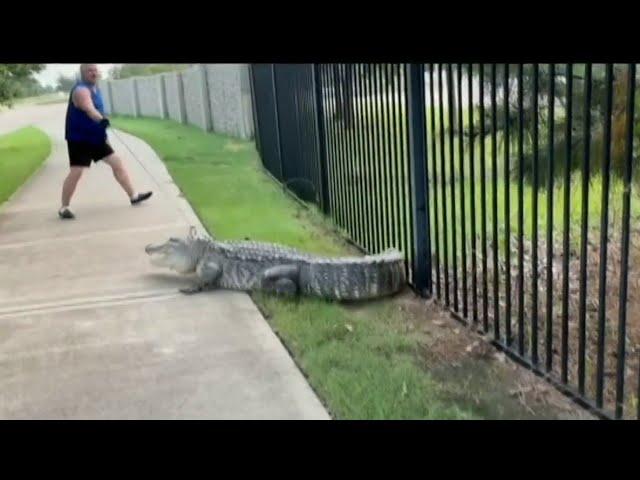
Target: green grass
[21,154]
[361,360]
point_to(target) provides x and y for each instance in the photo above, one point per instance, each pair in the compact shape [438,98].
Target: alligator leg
[208,273]
[286,287]
[282,279]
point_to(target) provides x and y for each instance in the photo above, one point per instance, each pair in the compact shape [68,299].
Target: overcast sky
[50,74]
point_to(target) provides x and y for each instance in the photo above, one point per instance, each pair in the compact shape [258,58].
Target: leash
[135,157]
[119,138]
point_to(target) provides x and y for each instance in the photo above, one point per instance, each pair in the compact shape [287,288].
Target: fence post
[163,96]
[181,101]
[418,162]
[275,105]
[112,110]
[254,110]
[206,100]
[320,139]
[247,121]
[136,100]
[106,96]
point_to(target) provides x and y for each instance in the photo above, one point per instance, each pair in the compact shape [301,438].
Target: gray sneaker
[65,213]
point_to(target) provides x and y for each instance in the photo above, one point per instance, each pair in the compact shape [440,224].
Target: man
[86,135]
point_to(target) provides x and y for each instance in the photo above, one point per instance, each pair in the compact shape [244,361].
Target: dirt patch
[475,374]
[234,147]
[553,329]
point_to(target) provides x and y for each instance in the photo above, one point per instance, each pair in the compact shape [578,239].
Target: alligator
[251,266]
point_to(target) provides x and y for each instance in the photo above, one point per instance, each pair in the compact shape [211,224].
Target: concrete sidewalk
[90,330]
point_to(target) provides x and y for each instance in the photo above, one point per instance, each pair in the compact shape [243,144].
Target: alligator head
[179,254]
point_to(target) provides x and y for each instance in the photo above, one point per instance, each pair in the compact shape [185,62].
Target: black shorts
[81,154]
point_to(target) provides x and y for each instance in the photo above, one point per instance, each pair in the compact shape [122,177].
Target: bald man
[86,135]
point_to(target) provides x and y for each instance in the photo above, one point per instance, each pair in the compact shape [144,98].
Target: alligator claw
[191,290]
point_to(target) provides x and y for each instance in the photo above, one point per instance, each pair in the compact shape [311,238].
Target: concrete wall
[174,97]
[230,100]
[212,97]
[150,96]
[105,89]
[195,97]
[123,97]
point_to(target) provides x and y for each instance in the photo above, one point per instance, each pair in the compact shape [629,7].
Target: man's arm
[82,100]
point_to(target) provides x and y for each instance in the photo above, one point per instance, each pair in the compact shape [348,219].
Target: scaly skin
[250,266]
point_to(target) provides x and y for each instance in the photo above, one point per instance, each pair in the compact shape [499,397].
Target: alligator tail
[354,278]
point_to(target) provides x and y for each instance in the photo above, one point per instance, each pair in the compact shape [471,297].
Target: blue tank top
[79,126]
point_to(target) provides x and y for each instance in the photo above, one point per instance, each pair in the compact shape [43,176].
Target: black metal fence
[510,189]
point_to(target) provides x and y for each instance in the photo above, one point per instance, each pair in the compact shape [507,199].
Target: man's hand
[104,123]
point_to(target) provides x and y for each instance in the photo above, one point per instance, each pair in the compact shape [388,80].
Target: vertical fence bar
[550,173]
[345,162]
[452,183]
[372,161]
[483,208]
[340,217]
[378,158]
[434,177]
[346,214]
[443,190]
[584,231]
[624,260]
[346,157]
[398,114]
[379,155]
[321,141]
[507,208]
[279,136]
[331,123]
[312,108]
[411,240]
[366,122]
[418,161]
[472,209]
[324,99]
[387,156]
[494,204]
[534,215]
[295,90]
[254,109]
[463,219]
[604,237]
[404,159]
[520,212]
[353,173]
[356,171]
[362,156]
[358,164]
[306,137]
[565,246]
[379,164]
[391,177]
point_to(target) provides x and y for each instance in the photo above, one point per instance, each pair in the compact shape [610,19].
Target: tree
[30,87]
[560,81]
[144,69]
[64,84]
[12,75]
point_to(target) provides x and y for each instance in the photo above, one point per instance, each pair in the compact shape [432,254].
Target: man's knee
[115,163]
[76,172]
